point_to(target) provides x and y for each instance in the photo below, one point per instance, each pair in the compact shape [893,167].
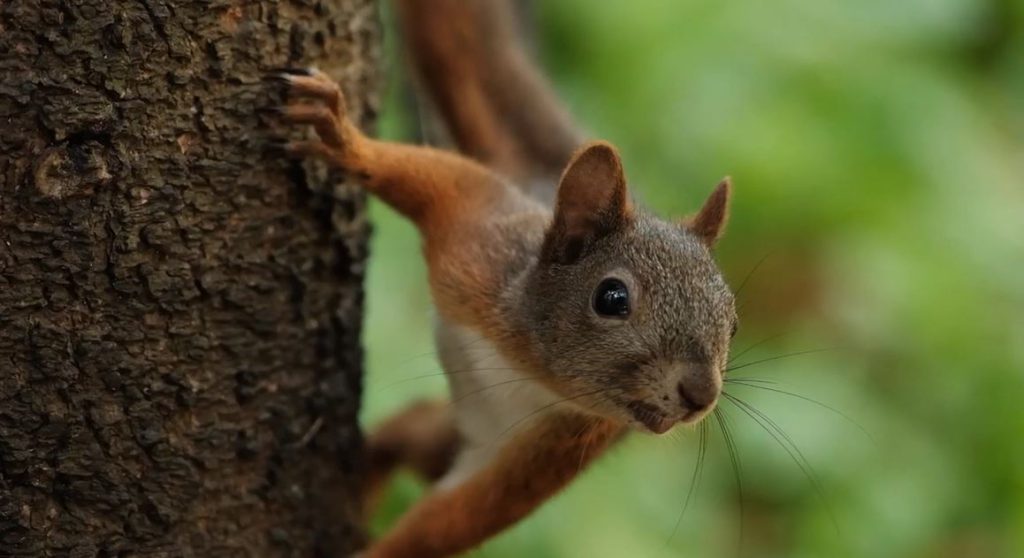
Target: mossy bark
[180,369]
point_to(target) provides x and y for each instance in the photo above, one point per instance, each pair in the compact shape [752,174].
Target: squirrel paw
[314,99]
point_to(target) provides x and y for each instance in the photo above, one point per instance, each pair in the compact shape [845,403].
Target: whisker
[586,444]
[448,373]
[752,379]
[737,466]
[494,385]
[755,345]
[750,274]
[786,443]
[434,353]
[848,418]
[779,357]
[676,435]
[698,469]
[548,406]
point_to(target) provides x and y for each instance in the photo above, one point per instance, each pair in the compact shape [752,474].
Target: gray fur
[679,330]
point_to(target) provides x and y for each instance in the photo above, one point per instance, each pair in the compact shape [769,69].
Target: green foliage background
[877,149]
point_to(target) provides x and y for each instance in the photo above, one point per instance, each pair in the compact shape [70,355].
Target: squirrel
[567,315]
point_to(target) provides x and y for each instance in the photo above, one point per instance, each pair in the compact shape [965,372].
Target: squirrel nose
[698,396]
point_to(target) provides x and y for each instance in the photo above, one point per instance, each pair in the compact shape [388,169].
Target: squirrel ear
[592,202]
[709,223]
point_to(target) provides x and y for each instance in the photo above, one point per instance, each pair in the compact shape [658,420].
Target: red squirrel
[560,325]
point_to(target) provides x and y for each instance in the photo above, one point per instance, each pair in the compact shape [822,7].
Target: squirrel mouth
[650,416]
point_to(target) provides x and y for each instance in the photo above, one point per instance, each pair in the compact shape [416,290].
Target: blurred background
[877,151]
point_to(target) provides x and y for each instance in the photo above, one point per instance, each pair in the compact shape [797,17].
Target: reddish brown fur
[499,108]
[470,245]
[710,221]
[449,198]
[421,437]
[528,472]
[592,199]
[503,115]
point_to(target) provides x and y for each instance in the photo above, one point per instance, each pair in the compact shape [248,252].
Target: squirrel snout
[698,396]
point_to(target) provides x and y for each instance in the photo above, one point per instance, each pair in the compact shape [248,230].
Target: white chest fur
[494,401]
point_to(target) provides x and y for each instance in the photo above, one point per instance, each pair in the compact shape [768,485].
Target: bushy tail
[498,107]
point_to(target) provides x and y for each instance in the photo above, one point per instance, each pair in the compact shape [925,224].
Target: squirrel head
[630,318]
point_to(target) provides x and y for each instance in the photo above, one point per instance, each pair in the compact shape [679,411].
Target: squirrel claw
[276,77]
[316,100]
[288,75]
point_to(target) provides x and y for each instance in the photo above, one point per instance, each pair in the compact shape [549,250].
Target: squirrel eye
[611,300]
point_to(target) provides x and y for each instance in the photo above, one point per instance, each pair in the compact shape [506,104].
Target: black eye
[611,299]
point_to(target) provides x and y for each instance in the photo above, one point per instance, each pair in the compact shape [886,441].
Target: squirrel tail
[498,107]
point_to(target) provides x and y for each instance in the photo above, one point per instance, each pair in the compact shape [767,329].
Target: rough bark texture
[179,314]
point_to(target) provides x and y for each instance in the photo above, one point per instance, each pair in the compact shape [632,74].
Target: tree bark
[180,369]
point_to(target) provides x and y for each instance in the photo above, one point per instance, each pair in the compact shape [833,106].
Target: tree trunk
[180,368]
